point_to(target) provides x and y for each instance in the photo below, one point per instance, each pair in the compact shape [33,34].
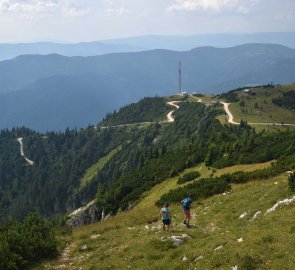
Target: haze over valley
[54,92]
[145,43]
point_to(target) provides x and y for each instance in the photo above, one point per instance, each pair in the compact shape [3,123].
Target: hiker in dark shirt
[186,204]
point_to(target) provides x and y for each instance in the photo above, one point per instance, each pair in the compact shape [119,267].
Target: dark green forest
[60,160]
[146,110]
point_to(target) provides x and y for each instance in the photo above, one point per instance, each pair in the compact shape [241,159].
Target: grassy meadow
[260,108]
[219,239]
[230,231]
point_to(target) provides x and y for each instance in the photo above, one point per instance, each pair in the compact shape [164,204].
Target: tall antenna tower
[180,81]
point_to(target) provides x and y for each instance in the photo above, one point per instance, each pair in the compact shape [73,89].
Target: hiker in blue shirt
[165,216]
[186,204]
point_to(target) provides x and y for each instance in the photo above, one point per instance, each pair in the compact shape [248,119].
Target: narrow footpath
[30,162]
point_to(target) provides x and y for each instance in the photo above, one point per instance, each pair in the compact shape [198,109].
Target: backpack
[186,203]
[165,213]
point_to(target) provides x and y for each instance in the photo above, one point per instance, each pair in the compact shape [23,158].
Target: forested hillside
[52,185]
[59,162]
[142,157]
[146,110]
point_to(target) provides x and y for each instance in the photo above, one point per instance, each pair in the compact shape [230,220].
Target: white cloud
[73,11]
[4,4]
[42,7]
[117,11]
[27,6]
[191,5]
[243,10]
[82,20]
[212,5]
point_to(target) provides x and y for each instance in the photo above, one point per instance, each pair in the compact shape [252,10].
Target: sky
[89,20]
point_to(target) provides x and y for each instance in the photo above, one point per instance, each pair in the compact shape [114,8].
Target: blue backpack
[186,203]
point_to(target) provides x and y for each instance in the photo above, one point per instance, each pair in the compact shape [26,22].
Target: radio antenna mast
[180,81]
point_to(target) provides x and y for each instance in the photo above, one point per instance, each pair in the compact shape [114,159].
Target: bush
[207,187]
[188,177]
[248,262]
[292,182]
[24,244]
[244,177]
[201,189]
[287,100]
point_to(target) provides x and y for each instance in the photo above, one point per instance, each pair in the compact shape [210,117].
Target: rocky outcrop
[88,214]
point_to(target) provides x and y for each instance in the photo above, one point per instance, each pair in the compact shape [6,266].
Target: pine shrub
[188,177]
[292,182]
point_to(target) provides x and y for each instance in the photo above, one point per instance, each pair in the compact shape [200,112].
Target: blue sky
[86,20]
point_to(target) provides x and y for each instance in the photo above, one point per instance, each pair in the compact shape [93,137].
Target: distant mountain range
[143,43]
[184,43]
[9,51]
[55,92]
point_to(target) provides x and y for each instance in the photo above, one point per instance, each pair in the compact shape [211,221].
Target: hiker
[165,216]
[186,204]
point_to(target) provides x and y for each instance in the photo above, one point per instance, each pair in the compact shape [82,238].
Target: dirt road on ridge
[231,118]
[170,118]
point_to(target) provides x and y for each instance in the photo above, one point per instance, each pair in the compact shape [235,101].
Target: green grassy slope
[134,240]
[95,168]
[260,108]
[219,239]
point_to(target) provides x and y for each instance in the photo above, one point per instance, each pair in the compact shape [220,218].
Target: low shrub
[188,177]
[292,182]
[201,189]
[207,187]
[24,244]
[241,177]
[249,262]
